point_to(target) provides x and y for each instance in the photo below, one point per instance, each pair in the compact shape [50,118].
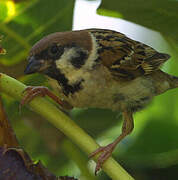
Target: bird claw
[32,92]
[106,152]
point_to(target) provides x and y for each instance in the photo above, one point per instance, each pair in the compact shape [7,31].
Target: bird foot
[106,152]
[34,91]
[31,93]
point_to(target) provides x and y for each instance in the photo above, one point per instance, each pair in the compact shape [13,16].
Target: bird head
[60,50]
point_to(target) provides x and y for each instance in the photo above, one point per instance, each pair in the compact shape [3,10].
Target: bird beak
[33,65]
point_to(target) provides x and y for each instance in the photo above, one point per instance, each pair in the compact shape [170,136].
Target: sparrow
[99,68]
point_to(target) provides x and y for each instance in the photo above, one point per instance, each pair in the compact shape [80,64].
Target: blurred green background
[151,151]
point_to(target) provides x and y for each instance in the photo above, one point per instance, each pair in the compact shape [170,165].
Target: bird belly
[107,93]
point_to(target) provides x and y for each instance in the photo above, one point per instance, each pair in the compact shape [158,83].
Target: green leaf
[3,11]
[159,15]
[30,22]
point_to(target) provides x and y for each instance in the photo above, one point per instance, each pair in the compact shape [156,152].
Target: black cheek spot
[79,61]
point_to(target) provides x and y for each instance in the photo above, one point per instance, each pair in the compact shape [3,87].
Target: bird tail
[174,81]
[164,81]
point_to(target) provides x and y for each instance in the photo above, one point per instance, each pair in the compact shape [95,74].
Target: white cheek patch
[64,62]
[65,66]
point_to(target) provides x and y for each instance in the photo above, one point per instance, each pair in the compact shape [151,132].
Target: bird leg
[34,91]
[106,151]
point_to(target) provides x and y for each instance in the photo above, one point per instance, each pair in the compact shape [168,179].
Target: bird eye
[54,50]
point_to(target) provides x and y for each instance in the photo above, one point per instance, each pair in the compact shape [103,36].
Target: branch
[50,112]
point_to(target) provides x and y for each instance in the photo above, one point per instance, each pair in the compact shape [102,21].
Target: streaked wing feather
[126,57]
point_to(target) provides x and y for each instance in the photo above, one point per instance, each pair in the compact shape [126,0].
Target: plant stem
[61,121]
[74,154]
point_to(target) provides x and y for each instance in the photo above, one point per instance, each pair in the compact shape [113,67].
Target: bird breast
[100,90]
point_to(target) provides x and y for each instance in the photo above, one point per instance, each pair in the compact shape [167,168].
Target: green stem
[75,154]
[50,112]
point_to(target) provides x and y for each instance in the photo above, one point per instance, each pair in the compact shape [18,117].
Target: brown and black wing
[125,57]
